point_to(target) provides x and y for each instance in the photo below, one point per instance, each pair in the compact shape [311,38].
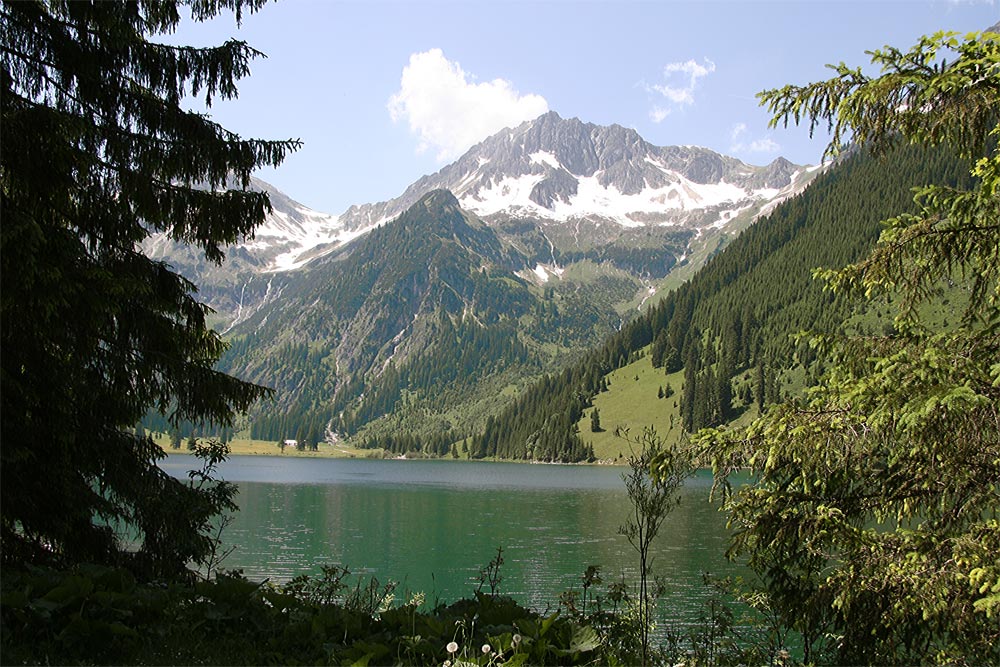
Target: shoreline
[367,454]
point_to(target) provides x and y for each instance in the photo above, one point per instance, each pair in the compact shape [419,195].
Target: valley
[443,333]
[428,314]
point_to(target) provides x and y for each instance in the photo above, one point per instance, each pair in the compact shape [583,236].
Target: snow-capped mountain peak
[554,171]
[558,170]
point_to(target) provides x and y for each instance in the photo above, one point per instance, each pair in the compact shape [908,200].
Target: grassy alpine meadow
[631,402]
[250,447]
[640,396]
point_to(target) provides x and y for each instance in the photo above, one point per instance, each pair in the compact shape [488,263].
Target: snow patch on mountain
[794,186]
[541,274]
[726,216]
[552,170]
[295,231]
[512,195]
[545,157]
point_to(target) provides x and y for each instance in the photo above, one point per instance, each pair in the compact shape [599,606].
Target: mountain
[435,257]
[724,345]
[290,235]
[557,170]
[419,326]
[429,313]
[561,191]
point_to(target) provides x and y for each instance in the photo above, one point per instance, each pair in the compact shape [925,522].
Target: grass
[248,447]
[631,403]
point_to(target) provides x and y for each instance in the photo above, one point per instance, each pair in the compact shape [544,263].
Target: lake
[432,525]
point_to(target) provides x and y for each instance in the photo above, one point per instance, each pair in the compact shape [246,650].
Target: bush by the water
[102,615]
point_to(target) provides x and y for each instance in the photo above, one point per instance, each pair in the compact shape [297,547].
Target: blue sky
[382,92]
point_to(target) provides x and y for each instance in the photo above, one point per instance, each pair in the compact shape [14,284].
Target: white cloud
[657,114]
[765,145]
[680,81]
[449,112]
[740,144]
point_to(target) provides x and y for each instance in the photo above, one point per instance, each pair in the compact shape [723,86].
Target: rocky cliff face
[559,170]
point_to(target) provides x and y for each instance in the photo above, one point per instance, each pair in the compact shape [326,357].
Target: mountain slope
[563,191]
[560,191]
[423,320]
[428,313]
[290,236]
[729,331]
[561,170]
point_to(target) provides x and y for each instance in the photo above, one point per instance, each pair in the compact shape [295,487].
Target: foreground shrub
[101,615]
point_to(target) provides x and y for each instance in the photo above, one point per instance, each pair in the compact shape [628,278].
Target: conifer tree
[874,522]
[595,421]
[98,154]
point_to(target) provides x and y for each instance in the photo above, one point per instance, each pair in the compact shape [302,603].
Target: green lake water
[432,525]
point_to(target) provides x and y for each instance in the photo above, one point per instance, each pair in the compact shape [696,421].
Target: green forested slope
[407,339]
[737,317]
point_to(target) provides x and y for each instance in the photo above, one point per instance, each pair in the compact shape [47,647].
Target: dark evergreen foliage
[102,616]
[421,315]
[97,155]
[871,520]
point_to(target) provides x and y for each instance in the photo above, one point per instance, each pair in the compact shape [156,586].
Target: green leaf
[584,639]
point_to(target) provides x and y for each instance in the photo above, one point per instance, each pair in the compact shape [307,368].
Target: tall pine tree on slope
[874,522]
[98,154]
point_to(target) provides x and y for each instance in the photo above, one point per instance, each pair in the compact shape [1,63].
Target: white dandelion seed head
[452,647]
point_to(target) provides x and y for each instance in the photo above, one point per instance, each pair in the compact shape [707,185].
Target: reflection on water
[432,525]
